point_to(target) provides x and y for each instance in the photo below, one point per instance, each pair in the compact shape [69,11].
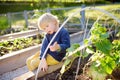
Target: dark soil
[68,75]
[71,73]
[116,74]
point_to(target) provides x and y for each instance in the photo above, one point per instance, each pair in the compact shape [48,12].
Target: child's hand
[44,65]
[55,47]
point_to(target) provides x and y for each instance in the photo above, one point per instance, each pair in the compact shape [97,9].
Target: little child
[57,50]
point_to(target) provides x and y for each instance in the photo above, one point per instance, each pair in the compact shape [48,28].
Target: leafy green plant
[105,54]
[18,44]
[69,60]
[105,57]
[72,53]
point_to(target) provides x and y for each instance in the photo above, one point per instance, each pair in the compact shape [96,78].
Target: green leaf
[63,69]
[85,54]
[108,69]
[89,50]
[107,64]
[104,46]
[86,41]
[118,34]
[73,47]
[104,36]
[67,61]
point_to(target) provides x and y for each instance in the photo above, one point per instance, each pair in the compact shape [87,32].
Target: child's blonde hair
[45,19]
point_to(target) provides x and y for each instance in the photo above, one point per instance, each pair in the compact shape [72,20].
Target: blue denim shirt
[62,38]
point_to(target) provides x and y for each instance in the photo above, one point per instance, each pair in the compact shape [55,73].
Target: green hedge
[3,23]
[17,6]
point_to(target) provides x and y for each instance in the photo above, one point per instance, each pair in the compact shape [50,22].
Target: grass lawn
[93,15]
[114,9]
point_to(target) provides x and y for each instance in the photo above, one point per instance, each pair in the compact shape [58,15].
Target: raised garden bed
[7,47]
[14,52]
[18,58]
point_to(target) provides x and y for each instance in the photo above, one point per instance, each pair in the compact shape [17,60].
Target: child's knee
[30,65]
[32,62]
[35,62]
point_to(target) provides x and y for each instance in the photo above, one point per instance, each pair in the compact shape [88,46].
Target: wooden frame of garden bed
[29,33]
[16,59]
[20,34]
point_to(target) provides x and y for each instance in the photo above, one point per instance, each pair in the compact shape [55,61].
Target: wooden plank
[20,34]
[16,59]
[25,76]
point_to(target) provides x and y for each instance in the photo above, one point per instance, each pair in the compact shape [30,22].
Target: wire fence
[18,21]
[28,19]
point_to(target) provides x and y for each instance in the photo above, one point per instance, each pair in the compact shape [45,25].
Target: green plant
[18,44]
[69,60]
[72,53]
[105,54]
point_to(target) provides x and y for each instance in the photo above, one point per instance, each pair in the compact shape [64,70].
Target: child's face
[50,27]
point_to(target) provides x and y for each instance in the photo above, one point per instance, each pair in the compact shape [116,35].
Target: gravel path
[12,74]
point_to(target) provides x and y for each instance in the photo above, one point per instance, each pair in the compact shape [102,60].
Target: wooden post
[82,13]
[48,10]
[9,19]
[26,18]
